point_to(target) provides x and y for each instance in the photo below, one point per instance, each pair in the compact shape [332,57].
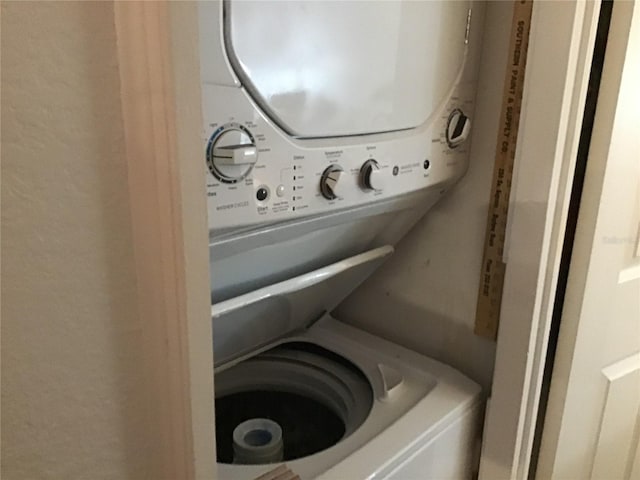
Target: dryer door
[326,69]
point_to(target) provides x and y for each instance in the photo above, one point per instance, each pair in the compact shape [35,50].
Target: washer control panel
[258,174]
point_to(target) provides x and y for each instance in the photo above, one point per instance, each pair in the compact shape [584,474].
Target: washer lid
[255,319]
[326,69]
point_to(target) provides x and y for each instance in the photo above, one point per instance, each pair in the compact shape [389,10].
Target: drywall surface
[424,297]
[72,394]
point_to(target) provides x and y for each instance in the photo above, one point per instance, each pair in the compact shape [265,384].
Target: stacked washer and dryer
[330,128]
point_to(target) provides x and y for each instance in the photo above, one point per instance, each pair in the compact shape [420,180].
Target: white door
[592,426]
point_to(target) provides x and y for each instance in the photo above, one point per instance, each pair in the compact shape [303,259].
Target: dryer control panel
[259,174]
[342,105]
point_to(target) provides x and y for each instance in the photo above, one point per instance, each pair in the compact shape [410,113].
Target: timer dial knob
[371,176]
[458,128]
[231,155]
[330,185]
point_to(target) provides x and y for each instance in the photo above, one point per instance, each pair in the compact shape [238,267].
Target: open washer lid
[338,68]
[257,318]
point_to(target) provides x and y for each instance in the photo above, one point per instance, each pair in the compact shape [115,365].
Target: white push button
[280,190]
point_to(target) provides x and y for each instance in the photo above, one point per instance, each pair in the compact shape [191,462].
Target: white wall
[429,287]
[72,395]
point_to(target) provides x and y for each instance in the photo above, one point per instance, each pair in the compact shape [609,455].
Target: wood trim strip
[169,233]
[493,267]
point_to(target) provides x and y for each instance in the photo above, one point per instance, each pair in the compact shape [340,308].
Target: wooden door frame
[558,65]
[158,60]
[160,96]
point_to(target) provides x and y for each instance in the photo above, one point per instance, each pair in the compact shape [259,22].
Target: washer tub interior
[298,393]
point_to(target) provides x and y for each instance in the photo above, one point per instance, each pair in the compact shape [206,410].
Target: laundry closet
[349,152]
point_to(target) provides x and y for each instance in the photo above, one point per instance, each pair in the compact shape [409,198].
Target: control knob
[330,182]
[371,177]
[458,128]
[231,155]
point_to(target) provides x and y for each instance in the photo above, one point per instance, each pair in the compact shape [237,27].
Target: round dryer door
[327,69]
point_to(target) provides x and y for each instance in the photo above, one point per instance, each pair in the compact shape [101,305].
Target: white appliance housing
[329,129]
[424,417]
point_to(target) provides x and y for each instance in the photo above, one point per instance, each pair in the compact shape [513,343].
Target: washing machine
[329,130]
